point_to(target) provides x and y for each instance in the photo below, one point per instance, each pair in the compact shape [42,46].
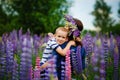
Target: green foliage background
[40,16]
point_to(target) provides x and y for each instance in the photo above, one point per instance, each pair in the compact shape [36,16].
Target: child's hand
[72,43]
[44,65]
[50,35]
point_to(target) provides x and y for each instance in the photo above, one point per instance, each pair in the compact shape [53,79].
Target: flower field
[20,55]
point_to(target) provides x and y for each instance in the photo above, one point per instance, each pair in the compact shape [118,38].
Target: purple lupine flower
[3,67]
[77,61]
[13,36]
[73,22]
[36,74]
[102,69]
[15,71]
[20,34]
[95,56]
[94,61]
[112,45]
[52,68]
[103,57]
[105,47]
[67,66]
[3,57]
[36,43]
[69,18]
[50,72]
[116,63]
[9,58]
[31,73]
[37,69]
[76,33]
[41,42]
[46,37]
[26,57]
[74,61]
[4,37]
[62,70]
[118,44]
[2,60]
[88,45]
[28,32]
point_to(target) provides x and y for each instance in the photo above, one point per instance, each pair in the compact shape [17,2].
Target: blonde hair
[62,29]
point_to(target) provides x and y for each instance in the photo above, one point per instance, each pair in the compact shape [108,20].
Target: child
[59,38]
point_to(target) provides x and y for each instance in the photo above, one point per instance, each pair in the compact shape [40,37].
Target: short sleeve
[53,44]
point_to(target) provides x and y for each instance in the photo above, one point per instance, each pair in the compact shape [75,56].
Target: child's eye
[59,36]
[63,37]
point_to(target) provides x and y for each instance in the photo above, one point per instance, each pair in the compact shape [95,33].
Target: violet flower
[13,36]
[118,44]
[95,61]
[102,69]
[74,61]
[36,43]
[76,33]
[77,61]
[116,63]
[26,57]
[2,60]
[50,71]
[37,69]
[105,48]
[52,68]
[112,45]
[9,58]
[68,18]
[67,66]
[88,45]
[15,71]
[20,34]
[4,37]
[62,70]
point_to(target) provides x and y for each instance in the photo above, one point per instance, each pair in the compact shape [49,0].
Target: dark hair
[80,28]
[79,24]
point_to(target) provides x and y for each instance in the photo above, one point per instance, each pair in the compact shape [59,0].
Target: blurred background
[35,18]
[43,16]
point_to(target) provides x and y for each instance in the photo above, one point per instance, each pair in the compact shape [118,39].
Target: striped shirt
[47,53]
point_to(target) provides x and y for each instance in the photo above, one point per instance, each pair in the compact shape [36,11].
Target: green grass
[0,39]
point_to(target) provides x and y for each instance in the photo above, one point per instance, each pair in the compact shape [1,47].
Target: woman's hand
[78,39]
[72,43]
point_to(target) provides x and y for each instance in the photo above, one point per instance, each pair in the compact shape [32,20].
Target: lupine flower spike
[67,66]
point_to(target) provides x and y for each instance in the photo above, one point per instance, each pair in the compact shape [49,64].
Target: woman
[74,34]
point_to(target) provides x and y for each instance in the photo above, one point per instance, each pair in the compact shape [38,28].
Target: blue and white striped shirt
[47,53]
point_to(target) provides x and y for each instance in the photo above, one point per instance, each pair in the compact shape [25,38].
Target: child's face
[61,37]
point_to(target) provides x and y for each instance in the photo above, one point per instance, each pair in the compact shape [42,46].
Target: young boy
[60,36]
